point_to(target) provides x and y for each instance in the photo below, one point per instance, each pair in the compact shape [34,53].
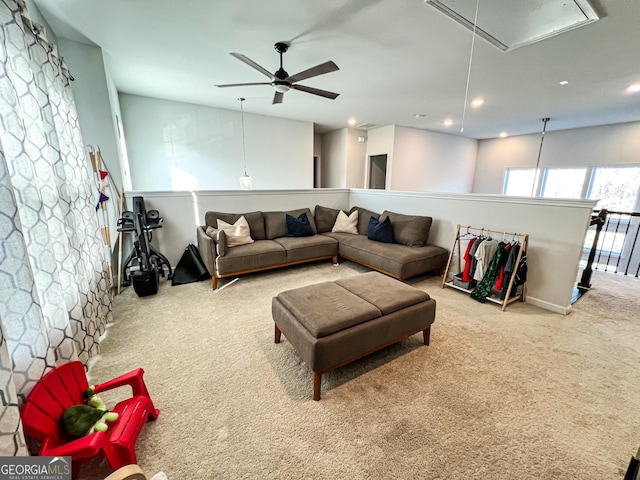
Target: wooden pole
[120,246]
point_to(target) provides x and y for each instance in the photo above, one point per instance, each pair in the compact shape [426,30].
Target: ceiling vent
[366,125]
[510,24]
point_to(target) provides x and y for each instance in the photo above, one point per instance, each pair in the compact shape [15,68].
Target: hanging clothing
[474,261]
[481,292]
[503,261]
[467,261]
[484,255]
[509,268]
[521,272]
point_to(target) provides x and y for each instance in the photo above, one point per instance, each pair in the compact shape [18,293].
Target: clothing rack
[523,240]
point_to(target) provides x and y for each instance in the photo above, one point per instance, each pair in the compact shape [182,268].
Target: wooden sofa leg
[426,334]
[278,333]
[335,261]
[317,379]
[214,281]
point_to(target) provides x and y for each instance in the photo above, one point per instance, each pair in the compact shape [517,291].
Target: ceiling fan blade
[242,84]
[321,69]
[253,64]
[277,98]
[316,91]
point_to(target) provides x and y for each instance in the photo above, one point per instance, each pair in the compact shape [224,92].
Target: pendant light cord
[466,91]
[535,177]
[244,156]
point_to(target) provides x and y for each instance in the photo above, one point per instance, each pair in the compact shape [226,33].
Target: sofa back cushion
[275,223]
[254,219]
[325,218]
[411,230]
[363,218]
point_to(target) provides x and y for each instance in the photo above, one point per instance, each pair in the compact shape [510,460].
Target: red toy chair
[63,387]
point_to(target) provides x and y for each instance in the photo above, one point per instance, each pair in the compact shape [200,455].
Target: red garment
[467,261]
[500,279]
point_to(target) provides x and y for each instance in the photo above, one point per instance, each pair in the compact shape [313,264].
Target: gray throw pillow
[325,218]
[411,230]
[275,223]
[363,218]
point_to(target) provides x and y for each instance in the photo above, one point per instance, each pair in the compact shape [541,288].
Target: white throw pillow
[346,224]
[238,233]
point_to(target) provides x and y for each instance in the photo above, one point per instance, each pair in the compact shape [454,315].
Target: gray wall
[606,145]
[181,146]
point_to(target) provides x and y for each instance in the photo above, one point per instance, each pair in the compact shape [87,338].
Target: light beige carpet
[521,394]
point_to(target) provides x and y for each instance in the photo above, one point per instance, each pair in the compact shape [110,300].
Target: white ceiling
[397,58]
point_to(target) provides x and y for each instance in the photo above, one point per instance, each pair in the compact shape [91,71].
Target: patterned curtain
[55,298]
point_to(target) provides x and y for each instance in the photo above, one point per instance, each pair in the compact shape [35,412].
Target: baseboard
[548,306]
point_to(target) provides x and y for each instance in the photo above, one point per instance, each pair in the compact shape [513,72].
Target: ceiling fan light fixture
[281,87]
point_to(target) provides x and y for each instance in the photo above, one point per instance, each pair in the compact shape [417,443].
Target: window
[563,182]
[519,181]
[617,188]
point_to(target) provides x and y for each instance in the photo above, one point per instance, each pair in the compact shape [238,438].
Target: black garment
[509,267]
[521,272]
[481,292]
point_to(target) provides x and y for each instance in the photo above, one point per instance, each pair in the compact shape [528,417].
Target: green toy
[81,420]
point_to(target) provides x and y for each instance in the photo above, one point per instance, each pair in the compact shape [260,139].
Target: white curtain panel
[55,297]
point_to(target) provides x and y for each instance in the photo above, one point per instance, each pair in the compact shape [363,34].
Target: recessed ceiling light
[352,121]
[503,134]
[477,102]
[448,122]
[564,82]
[634,88]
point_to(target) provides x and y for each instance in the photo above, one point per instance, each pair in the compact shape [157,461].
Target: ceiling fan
[282,81]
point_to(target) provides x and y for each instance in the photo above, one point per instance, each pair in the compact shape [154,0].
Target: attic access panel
[510,24]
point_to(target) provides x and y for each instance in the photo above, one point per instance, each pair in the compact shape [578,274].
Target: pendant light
[466,90]
[246,182]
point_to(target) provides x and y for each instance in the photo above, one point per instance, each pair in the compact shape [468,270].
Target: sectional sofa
[271,245]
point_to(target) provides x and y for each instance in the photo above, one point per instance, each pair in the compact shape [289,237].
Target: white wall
[556,231]
[356,158]
[91,95]
[606,145]
[334,159]
[181,146]
[432,162]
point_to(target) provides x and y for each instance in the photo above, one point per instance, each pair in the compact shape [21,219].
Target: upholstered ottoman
[331,324]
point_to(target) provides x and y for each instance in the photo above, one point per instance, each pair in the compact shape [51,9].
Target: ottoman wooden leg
[426,333]
[317,379]
[277,334]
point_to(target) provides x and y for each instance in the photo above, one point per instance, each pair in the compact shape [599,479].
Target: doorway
[378,171]
[317,180]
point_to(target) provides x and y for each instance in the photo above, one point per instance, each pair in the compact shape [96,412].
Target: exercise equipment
[145,264]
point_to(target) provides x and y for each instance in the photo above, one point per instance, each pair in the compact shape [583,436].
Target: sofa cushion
[219,240]
[325,218]
[238,233]
[410,230]
[398,260]
[346,223]
[244,258]
[275,223]
[255,220]
[300,249]
[380,231]
[298,227]
[363,218]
